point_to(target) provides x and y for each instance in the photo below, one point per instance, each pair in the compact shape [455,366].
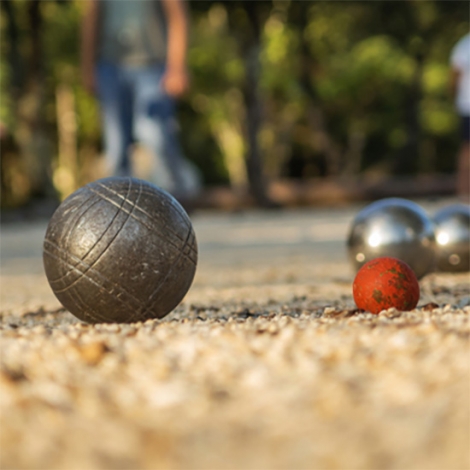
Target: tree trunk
[252,99]
[13,54]
[408,158]
[321,139]
[28,98]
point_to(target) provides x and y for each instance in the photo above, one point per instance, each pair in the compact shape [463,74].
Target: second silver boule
[453,238]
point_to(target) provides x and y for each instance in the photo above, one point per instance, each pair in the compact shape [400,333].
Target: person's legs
[115,98]
[155,125]
[463,163]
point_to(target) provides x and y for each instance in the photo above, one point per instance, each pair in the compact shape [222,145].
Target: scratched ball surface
[453,238]
[120,250]
[383,283]
[393,227]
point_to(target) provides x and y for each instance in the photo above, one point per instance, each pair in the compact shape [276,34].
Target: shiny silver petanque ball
[120,250]
[393,227]
[453,238]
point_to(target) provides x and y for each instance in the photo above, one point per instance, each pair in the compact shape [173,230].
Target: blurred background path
[235,249]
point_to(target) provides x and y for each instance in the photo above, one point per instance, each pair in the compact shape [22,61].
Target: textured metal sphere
[393,227]
[120,250]
[453,238]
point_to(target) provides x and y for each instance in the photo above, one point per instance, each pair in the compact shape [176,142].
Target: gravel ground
[266,364]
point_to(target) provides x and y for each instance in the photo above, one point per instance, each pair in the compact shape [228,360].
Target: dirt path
[265,364]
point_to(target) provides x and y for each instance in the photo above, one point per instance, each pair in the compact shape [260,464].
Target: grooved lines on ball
[142,309]
[151,228]
[151,301]
[150,216]
[108,227]
[154,229]
[74,220]
[133,205]
[87,276]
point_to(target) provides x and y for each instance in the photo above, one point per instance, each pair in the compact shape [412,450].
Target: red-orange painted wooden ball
[386,282]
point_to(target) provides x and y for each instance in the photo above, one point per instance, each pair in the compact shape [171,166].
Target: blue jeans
[135,107]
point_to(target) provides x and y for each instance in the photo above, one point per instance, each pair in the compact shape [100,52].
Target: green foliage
[5,97]
[375,69]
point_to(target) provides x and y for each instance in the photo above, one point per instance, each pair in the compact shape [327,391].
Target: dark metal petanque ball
[120,250]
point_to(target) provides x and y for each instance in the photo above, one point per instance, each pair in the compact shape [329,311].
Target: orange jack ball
[382,283]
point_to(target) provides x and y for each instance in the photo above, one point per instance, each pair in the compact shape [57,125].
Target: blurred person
[460,83]
[134,59]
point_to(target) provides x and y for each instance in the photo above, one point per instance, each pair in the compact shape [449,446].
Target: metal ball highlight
[393,227]
[453,238]
[120,250]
